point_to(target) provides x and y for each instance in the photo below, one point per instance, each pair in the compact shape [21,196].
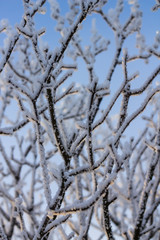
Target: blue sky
[13,10]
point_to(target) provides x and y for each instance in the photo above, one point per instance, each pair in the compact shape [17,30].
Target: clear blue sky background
[13,10]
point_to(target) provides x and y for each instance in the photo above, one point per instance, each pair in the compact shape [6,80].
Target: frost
[140,42]
[157,40]
[100,44]
[135,6]
[69,120]
[60,24]
[103,89]
[42,10]
[3,25]
[114,14]
[132,1]
[18,201]
[55,13]
[101,3]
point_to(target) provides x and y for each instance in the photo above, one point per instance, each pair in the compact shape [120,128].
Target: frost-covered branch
[79,122]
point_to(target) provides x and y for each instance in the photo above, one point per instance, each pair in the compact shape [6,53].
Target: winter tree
[80,123]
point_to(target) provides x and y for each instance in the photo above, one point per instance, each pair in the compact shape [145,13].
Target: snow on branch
[79,121]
